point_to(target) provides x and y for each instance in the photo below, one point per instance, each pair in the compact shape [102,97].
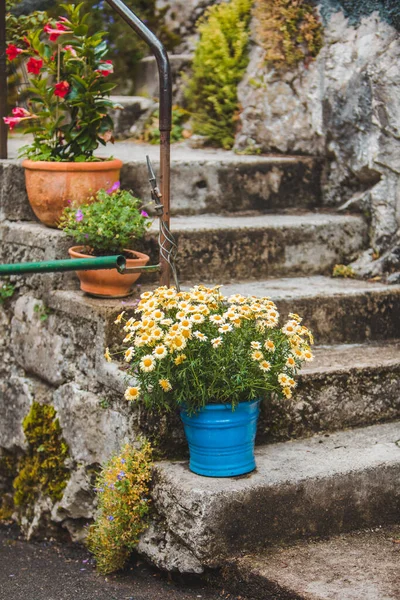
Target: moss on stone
[290,32]
[8,464]
[8,470]
[42,470]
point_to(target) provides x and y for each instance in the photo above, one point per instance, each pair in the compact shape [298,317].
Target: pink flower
[70,49]
[12,51]
[55,32]
[61,89]
[105,68]
[144,213]
[78,215]
[34,65]
[11,121]
[20,112]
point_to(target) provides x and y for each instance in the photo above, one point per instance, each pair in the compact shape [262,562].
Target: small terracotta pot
[108,283]
[52,185]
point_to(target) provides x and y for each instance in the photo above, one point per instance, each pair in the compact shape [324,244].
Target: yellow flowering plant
[192,348]
[123,506]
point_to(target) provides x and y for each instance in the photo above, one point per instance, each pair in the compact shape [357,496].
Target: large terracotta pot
[108,283]
[51,186]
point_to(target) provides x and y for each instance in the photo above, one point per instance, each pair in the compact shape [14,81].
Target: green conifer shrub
[220,60]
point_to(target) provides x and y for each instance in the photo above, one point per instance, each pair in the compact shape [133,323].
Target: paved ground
[50,571]
[130,150]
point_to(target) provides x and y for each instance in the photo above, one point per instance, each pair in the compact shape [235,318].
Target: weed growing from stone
[220,61]
[123,507]
[6,291]
[343,271]
[43,312]
[104,403]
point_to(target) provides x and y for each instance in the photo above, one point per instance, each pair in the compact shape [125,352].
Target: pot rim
[225,405]
[44,165]
[137,255]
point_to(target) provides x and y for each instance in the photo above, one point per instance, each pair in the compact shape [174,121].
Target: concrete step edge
[304,488]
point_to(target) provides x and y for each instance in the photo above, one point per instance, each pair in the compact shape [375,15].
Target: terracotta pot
[108,283]
[51,185]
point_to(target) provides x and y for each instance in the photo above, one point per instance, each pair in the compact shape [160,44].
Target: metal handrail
[166,241]
[164,73]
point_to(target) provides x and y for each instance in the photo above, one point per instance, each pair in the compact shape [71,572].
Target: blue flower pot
[221,441]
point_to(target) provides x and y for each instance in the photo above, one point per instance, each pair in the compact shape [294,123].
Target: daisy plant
[192,348]
[69,93]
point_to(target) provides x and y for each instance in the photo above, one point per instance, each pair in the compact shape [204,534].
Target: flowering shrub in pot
[67,114]
[107,226]
[215,359]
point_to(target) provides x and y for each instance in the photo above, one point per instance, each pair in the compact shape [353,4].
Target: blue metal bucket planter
[221,441]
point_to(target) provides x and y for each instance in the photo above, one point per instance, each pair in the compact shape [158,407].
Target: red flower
[56,31]
[61,89]
[34,65]
[12,51]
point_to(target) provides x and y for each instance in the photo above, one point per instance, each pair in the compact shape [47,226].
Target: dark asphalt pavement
[53,571]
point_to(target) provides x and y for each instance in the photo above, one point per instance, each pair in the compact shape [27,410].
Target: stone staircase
[258,225]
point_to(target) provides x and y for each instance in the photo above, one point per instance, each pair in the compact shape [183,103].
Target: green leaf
[82,30]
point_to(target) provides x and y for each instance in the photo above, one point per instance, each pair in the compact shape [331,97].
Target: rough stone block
[15,400]
[55,349]
[32,242]
[93,433]
[134,109]
[14,203]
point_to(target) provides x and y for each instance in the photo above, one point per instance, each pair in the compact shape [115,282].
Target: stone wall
[48,355]
[181,18]
[344,107]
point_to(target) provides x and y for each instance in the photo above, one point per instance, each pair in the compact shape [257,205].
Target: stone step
[219,181]
[321,486]
[228,248]
[336,310]
[362,565]
[345,386]
[202,180]
[224,248]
